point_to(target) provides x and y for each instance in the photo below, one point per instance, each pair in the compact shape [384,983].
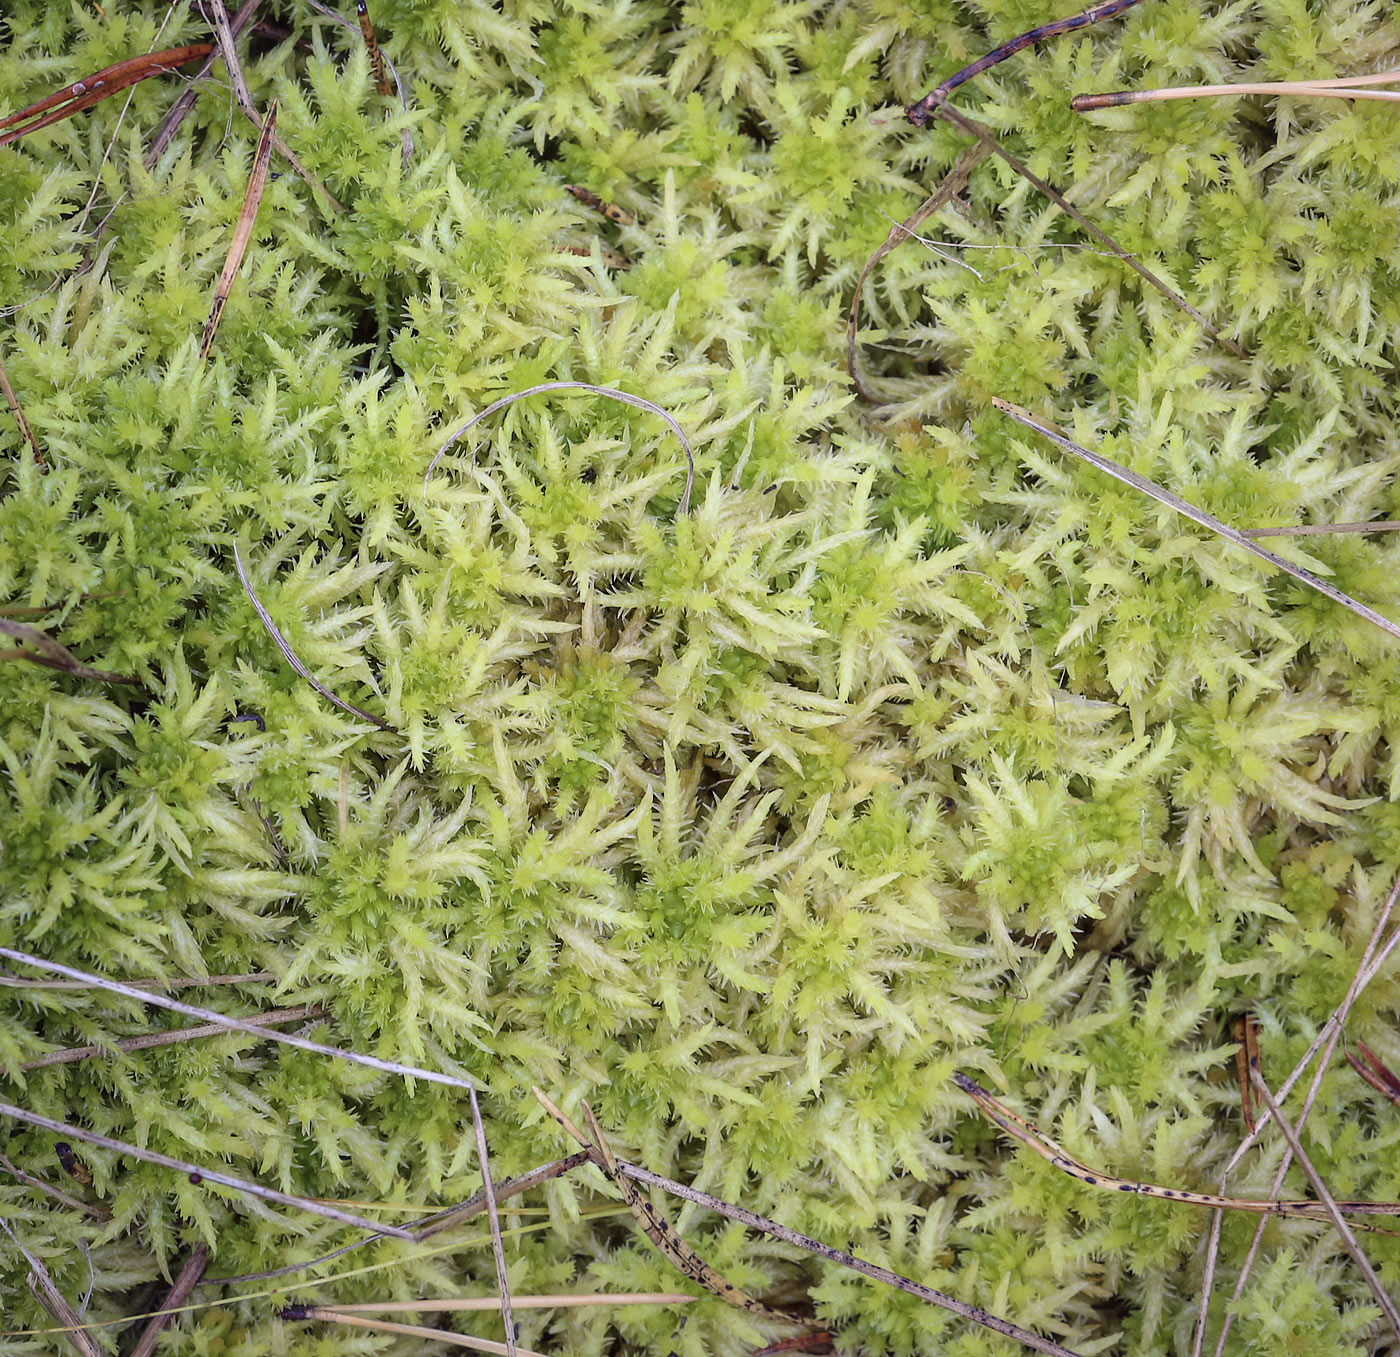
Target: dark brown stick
[918,113]
[46,651]
[13,402]
[178,1294]
[152,1039]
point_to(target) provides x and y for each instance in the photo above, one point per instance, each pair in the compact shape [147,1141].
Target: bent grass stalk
[611,392]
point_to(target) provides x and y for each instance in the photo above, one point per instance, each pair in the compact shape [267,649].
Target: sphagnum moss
[911,748]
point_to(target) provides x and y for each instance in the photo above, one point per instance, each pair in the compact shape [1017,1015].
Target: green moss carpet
[913,746]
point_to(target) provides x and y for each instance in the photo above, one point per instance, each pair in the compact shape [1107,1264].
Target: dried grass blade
[15,409]
[658,1229]
[453,1340]
[953,183]
[1333,1208]
[1164,496]
[242,230]
[572,1301]
[228,50]
[974,1313]
[199,1174]
[625,397]
[51,655]
[178,1294]
[153,1039]
[290,655]
[494,1219]
[239,1025]
[1342,87]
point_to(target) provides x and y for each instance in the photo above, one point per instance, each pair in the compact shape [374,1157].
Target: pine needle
[494,1220]
[242,230]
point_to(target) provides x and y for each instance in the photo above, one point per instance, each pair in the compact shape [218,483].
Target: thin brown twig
[149,1040]
[1181,506]
[953,183]
[44,650]
[242,229]
[1349,1240]
[1375,1072]
[291,656]
[1246,1059]
[573,1300]
[240,1025]
[376,57]
[17,410]
[494,1219]
[1054,1153]
[175,982]
[619,216]
[918,113]
[433,1225]
[406,135]
[973,128]
[228,50]
[174,1299]
[658,1229]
